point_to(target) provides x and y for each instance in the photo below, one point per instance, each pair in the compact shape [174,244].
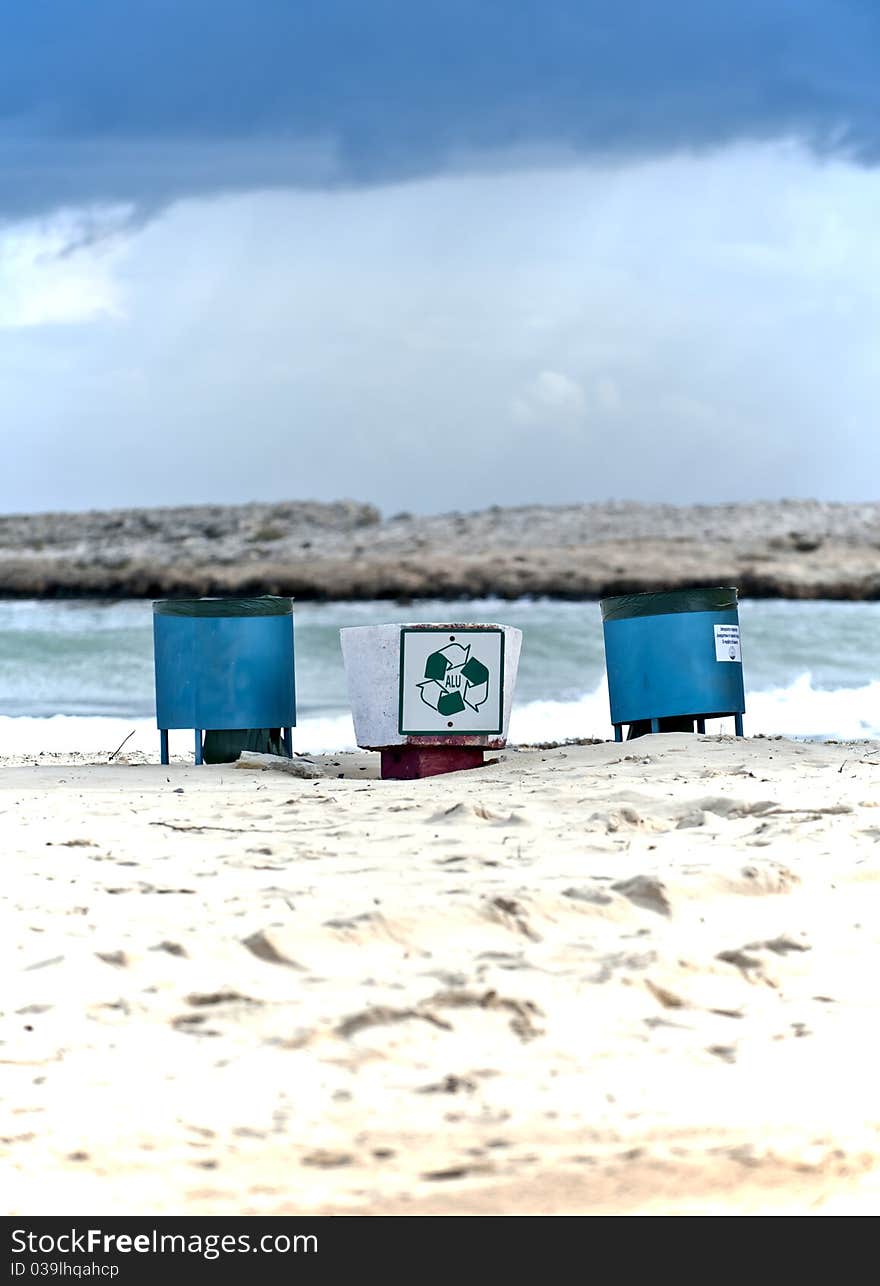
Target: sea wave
[101,736]
[798,710]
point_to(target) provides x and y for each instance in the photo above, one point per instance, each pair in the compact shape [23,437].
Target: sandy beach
[602,978]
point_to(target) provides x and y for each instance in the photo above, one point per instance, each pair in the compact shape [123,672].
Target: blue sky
[438,255]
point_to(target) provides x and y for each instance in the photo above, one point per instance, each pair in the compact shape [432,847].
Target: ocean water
[79,675]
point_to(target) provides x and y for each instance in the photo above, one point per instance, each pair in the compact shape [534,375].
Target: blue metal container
[673,660]
[224,664]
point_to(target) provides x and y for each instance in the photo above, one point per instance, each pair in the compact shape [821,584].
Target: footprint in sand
[645,891]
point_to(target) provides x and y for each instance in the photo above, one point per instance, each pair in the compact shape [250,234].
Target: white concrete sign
[451,681]
[727,646]
[374,664]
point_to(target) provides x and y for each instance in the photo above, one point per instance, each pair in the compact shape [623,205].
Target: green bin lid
[718,599]
[268,605]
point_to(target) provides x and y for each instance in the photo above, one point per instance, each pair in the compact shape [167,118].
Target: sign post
[430,698]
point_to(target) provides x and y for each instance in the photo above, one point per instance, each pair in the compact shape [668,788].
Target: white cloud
[551,399]
[689,328]
[60,270]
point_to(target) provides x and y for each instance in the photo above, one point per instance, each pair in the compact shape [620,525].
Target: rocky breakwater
[787,549]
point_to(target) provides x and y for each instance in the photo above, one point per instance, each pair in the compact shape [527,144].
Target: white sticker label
[451,682]
[727,643]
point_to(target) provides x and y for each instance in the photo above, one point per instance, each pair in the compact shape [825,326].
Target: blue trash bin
[673,660]
[224,664]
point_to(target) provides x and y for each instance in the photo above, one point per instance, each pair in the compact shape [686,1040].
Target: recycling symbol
[454,680]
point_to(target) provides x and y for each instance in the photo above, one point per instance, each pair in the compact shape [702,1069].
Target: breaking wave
[797,710]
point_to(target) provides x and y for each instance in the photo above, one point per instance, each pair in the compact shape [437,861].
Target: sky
[438,256]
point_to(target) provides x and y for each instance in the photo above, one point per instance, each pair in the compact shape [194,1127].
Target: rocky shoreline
[347,550]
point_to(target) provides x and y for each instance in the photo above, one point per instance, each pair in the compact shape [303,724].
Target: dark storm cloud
[145,100]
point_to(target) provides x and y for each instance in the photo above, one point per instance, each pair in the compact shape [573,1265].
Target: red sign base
[406,763]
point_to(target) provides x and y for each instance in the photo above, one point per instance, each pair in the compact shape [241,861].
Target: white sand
[605,978]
